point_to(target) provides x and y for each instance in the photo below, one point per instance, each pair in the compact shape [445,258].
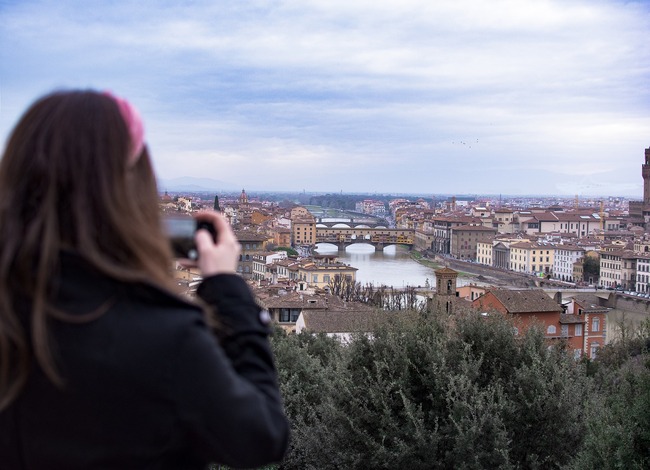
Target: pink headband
[134,125]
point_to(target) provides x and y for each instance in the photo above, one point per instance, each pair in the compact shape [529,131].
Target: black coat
[147,385]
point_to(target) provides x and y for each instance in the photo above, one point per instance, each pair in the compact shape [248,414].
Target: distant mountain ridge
[190,183]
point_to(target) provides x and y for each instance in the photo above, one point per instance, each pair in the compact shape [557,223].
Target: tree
[434,392]
[288,250]
[307,366]
[618,434]
[591,268]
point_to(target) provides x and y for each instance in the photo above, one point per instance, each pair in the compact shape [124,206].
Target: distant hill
[189,183]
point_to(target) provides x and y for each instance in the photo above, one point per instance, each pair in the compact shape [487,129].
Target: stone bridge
[352,222]
[377,237]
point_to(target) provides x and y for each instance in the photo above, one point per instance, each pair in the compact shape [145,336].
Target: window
[289,315]
[595,324]
[326,278]
[594,350]
[284,315]
[314,278]
[551,330]
[565,330]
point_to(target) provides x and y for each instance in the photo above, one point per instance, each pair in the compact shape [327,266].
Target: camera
[181,230]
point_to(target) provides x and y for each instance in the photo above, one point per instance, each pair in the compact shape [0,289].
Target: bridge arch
[367,245]
[379,238]
[326,246]
[376,246]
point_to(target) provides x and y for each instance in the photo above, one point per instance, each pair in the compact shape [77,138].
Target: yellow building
[299,212]
[618,268]
[303,227]
[258,217]
[505,220]
[281,236]
[532,258]
[319,272]
[484,253]
[303,231]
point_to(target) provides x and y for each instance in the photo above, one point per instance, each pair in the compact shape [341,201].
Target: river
[392,267]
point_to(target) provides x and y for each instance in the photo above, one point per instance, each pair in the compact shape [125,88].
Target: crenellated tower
[640,210]
[645,171]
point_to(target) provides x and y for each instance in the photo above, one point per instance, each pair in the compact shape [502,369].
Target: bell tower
[645,171]
[446,279]
[445,296]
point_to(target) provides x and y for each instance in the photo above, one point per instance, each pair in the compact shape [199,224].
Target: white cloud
[326,88]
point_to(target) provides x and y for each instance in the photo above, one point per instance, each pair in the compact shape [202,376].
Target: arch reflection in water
[393,266]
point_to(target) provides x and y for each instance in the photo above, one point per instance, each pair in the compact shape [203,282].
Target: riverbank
[489,274]
[433,264]
[419,257]
[473,271]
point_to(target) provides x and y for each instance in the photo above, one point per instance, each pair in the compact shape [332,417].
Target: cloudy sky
[422,96]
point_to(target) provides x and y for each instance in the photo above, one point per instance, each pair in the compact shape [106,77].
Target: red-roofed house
[528,307]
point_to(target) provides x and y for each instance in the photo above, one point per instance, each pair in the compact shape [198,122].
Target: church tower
[243,198]
[445,296]
[645,171]
[446,279]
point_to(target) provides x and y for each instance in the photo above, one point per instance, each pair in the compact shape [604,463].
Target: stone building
[640,210]
[464,240]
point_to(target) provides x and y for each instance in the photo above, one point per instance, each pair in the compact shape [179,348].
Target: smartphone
[181,230]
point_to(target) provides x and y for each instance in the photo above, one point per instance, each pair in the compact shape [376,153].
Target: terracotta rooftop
[352,321]
[569,248]
[526,301]
[546,217]
[567,318]
[293,300]
[445,270]
[589,303]
[248,236]
[473,228]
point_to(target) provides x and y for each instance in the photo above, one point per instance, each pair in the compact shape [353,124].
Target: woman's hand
[221,257]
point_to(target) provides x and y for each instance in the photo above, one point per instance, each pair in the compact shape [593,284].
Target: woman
[101,364]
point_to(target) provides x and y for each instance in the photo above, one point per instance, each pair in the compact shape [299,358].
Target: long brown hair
[65,184]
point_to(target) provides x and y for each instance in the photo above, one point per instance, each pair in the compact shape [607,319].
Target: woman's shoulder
[80,280]
[139,306]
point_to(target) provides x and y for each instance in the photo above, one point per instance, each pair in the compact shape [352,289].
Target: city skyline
[462,97]
[202,188]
